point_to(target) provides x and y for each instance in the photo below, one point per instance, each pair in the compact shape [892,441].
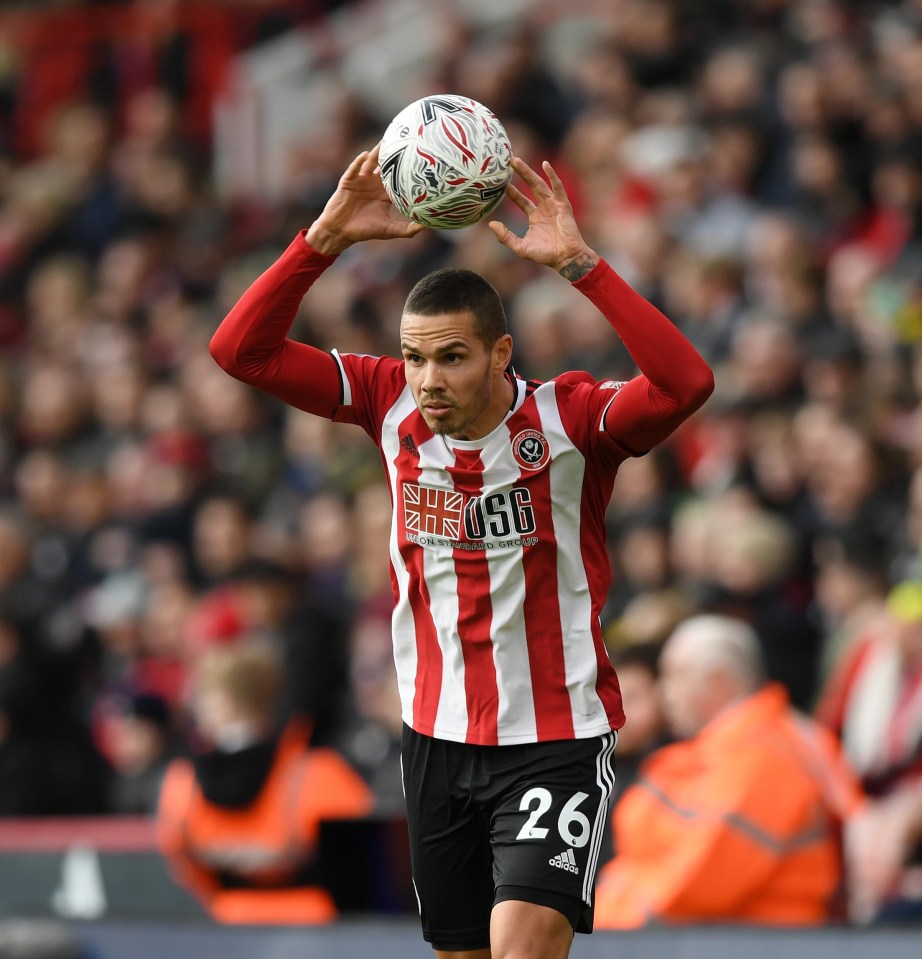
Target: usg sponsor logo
[505,518]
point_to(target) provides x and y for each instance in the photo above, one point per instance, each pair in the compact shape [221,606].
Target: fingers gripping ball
[445,161]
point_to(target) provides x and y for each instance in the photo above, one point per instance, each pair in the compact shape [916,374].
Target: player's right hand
[359,209]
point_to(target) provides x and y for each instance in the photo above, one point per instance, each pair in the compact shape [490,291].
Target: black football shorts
[490,823]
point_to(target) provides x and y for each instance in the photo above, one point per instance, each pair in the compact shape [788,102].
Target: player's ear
[502,353]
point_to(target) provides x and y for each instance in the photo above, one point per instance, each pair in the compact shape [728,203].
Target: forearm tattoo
[578,268]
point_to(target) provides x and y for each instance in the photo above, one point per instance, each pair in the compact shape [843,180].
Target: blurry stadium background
[754,167]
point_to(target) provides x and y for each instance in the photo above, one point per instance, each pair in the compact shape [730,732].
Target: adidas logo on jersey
[407,443]
[565,860]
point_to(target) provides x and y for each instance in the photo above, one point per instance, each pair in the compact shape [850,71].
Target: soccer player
[497,553]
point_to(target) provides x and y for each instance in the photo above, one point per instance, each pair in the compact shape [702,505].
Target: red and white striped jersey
[498,558]
[497,549]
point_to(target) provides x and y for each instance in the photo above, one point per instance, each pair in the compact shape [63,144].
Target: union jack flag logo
[431,511]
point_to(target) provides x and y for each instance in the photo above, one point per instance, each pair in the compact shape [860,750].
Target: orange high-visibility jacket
[265,843]
[740,824]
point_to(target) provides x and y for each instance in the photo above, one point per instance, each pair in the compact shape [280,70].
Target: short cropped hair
[725,643]
[458,291]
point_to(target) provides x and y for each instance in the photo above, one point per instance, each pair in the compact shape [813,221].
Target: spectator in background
[222,533]
[239,822]
[833,372]
[706,295]
[369,734]
[48,763]
[139,744]
[648,619]
[740,821]
[748,568]
[849,489]
[873,701]
[641,557]
[850,587]
[645,730]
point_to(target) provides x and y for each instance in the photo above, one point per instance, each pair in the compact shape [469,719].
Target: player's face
[456,380]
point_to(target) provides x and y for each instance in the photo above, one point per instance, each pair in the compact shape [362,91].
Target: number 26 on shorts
[572,825]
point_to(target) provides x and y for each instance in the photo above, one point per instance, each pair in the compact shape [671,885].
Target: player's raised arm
[675,380]
[359,209]
[252,341]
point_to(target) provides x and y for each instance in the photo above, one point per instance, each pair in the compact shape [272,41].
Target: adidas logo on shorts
[565,860]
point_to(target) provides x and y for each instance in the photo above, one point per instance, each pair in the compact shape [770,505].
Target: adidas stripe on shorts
[489,823]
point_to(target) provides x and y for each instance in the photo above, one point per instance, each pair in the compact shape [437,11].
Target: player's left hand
[552,237]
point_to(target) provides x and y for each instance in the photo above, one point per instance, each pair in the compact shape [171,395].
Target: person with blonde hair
[239,823]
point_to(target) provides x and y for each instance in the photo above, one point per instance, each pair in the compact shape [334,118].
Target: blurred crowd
[753,167]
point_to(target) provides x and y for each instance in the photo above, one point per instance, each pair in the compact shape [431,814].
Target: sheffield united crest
[531,450]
